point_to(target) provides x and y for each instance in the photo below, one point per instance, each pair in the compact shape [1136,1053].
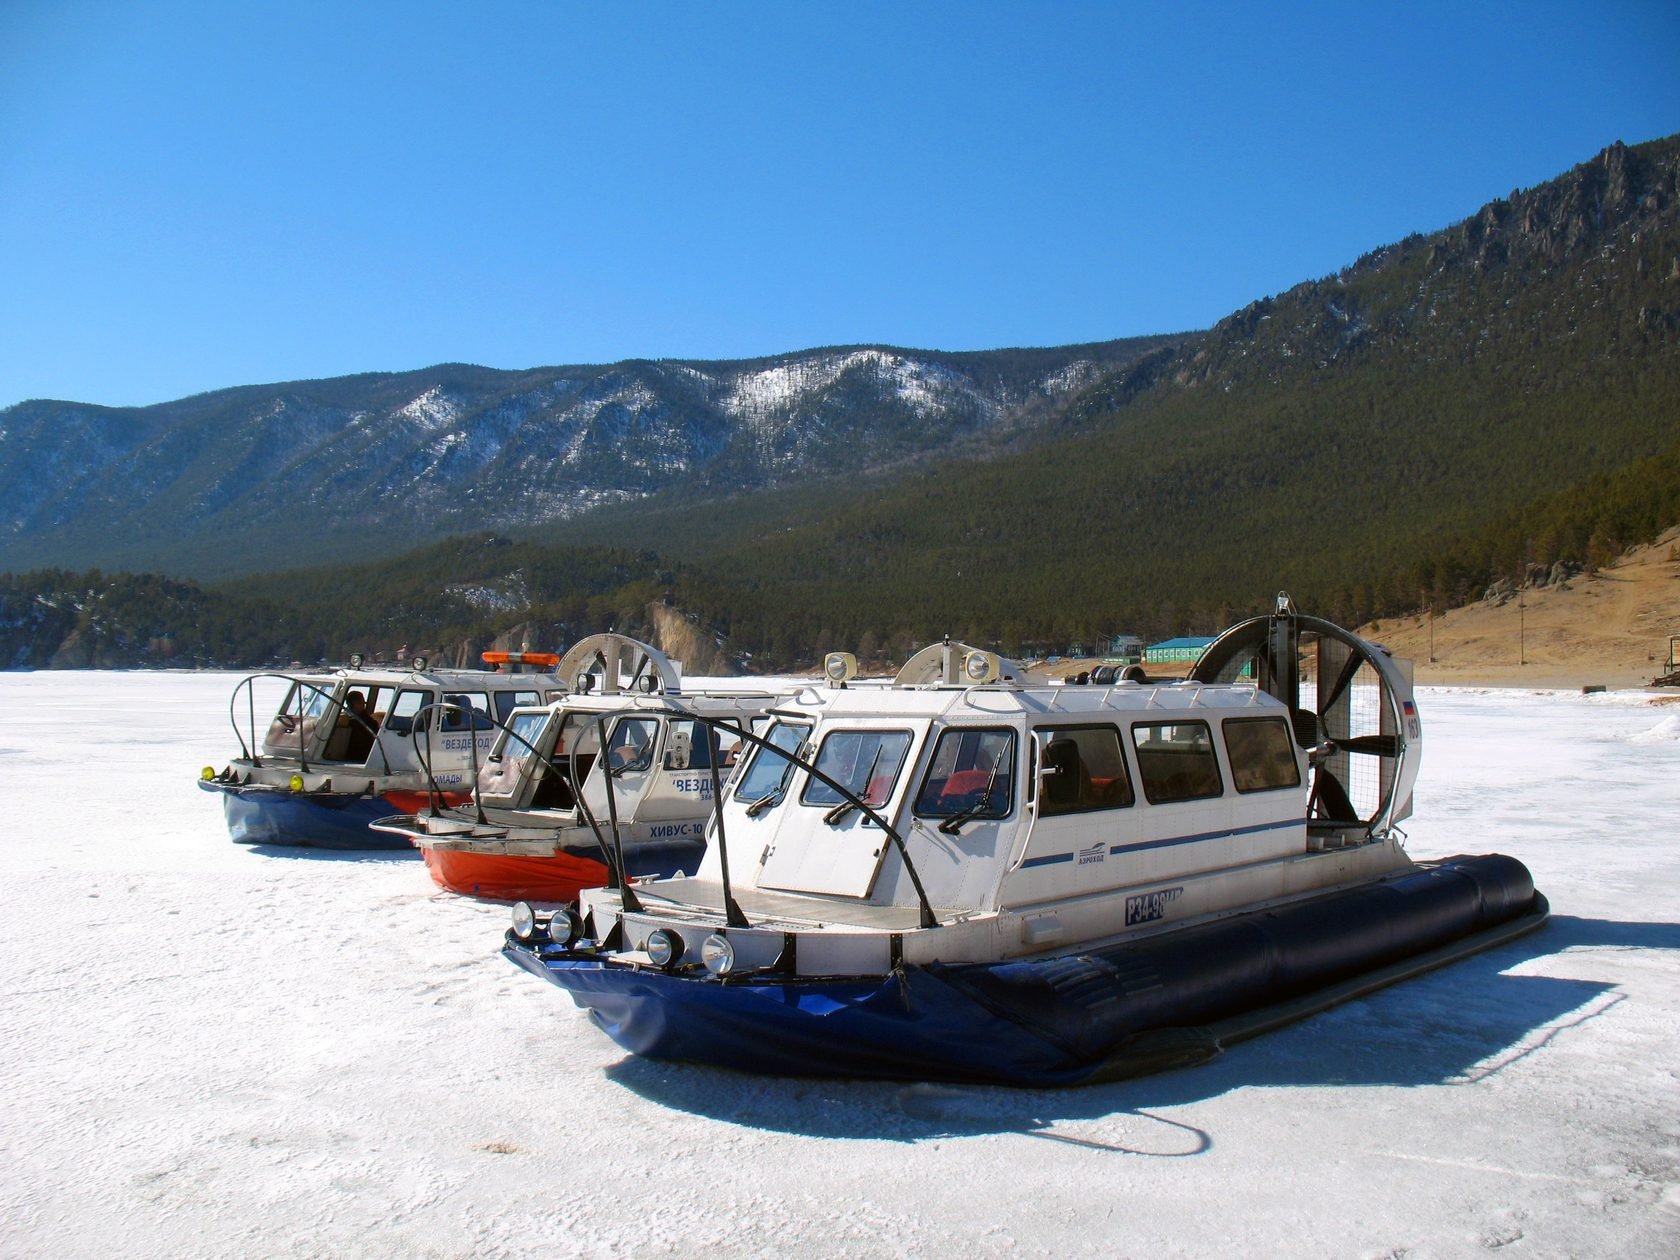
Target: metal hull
[319,820]
[1069,1018]
[560,877]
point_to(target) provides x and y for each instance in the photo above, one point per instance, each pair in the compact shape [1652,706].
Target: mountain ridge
[455,447]
[1384,437]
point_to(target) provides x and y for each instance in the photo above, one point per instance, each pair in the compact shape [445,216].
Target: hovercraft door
[826,844]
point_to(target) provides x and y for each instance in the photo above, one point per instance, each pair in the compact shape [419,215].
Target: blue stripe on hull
[1052,859]
[318,820]
[1046,1021]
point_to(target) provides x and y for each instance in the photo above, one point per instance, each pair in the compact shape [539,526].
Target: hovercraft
[347,747]
[610,754]
[976,875]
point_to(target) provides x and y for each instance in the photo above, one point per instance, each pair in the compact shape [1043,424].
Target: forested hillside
[1444,411]
[311,472]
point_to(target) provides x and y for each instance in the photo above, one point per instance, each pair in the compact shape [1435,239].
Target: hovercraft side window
[522,735]
[508,701]
[1176,761]
[972,773]
[865,762]
[464,707]
[689,746]
[1261,753]
[767,773]
[630,746]
[1083,769]
[408,703]
[501,771]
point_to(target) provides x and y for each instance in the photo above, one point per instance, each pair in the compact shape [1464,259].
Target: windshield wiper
[952,825]
[764,802]
[849,804]
[839,811]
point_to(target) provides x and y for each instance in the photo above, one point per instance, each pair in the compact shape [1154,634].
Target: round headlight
[295,783]
[978,667]
[665,948]
[718,955]
[565,927]
[207,773]
[839,668]
[524,921]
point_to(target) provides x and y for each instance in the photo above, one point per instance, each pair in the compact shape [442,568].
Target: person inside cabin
[631,745]
[363,726]
[355,705]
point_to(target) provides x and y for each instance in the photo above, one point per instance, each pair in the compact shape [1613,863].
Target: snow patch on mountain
[1075,376]
[766,399]
[433,410]
[507,593]
[758,396]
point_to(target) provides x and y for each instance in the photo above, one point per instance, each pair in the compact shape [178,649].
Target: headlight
[718,955]
[565,927]
[295,783]
[978,667]
[665,948]
[524,921]
[840,667]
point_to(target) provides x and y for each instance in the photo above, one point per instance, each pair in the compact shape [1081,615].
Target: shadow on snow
[1452,1027]
[318,854]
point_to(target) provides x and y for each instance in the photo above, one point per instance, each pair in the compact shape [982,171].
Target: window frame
[1212,757]
[771,748]
[649,754]
[1047,735]
[478,720]
[400,723]
[504,702]
[812,783]
[1009,775]
[1274,720]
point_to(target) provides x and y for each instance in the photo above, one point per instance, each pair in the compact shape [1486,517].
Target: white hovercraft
[976,875]
[347,747]
[609,754]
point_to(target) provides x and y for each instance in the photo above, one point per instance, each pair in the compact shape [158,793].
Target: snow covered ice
[213,1050]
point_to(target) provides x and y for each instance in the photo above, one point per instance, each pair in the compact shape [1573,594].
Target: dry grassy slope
[682,640]
[1610,629]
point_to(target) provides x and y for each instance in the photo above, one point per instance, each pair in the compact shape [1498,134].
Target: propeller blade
[1349,668]
[1373,745]
[1330,799]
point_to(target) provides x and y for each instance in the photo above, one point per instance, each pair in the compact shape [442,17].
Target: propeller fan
[615,663]
[1352,708]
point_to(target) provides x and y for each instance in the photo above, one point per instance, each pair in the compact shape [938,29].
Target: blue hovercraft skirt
[1073,1018]
[319,820]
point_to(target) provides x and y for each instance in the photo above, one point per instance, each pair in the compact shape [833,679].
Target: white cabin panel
[840,861]
[826,843]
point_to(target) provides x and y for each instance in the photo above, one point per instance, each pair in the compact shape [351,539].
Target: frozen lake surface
[216,1051]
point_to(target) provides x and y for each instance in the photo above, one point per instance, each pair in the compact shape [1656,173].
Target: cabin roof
[1136,700]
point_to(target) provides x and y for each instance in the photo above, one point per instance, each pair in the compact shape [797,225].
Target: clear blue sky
[197,195]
